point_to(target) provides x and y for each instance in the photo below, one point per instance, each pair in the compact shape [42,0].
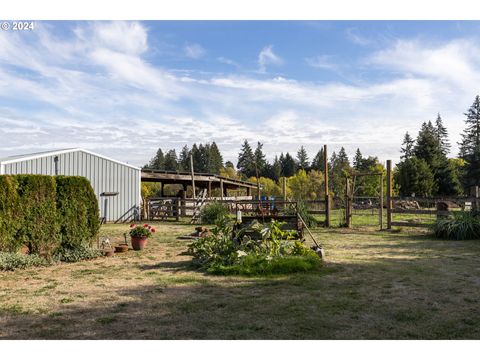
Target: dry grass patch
[376,285]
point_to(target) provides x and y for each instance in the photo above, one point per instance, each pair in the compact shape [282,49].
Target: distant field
[375,285]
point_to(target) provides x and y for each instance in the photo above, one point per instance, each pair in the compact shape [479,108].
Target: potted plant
[120,248]
[139,235]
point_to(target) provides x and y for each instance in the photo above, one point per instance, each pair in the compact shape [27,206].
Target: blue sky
[124,89]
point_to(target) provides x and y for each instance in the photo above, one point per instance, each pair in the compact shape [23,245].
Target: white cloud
[267,57]
[227,61]
[95,88]
[322,62]
[353,35]
[194,51]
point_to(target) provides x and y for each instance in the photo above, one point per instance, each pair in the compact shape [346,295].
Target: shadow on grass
[385,298]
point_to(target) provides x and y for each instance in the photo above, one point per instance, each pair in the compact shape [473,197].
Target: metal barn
[116,184]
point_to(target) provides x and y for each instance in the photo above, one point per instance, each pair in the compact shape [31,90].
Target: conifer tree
[260,159]
[470,145]
[408,146]
[171,163]
[246,160]
[442,135]
[158,161]
[318,161]
[289,166]
[302,158]
[215,159]
[357,160]
[184,159]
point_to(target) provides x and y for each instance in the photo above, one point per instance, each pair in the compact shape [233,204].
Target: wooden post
[284,188]
[221,189]
[177,208]
[380,213]
[209,191]
[193,176]
[389,194]
[348,215]
[327,195]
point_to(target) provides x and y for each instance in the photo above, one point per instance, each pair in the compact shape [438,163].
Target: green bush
[47,213]
[211,213]
[78,212]
[12,261]
[77,254]
[461,225]
[39,227]
[10,219]
[254,250]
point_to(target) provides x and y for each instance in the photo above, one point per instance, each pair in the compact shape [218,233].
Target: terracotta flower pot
[121,248]
[138,243]
[108,252]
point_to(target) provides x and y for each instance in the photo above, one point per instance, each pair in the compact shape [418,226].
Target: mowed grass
[375,285]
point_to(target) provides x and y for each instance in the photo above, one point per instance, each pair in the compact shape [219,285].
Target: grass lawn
[375,285]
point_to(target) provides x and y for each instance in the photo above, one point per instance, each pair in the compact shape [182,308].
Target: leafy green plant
[12,261]
[461,225]
[258,249]
[77,254]
[213,212]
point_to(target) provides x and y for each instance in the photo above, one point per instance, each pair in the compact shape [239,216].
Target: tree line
[424,168]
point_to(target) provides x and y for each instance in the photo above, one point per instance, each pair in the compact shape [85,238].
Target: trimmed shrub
[12,261]
[212,213]
[461,225]
[39,227]
[47,213]
[78,212]
[77,254]
[10,218]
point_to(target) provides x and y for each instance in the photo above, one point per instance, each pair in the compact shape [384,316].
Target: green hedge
[78,211]
[46,213]
[9,213]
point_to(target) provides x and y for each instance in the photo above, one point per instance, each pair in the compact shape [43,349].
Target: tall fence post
[348,204]
[327,195]
[389,194]
[284,189]
[380,213]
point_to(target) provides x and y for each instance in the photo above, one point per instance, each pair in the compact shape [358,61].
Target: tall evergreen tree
[427,145]
[246,160]
[357,160]
[339,171]
[289,167]
[260,159]
[158,161]
[171,162]
[318,161]
[184,159]
[302,158]
[470,145]
[215,159]
[408,146]
[442,135]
